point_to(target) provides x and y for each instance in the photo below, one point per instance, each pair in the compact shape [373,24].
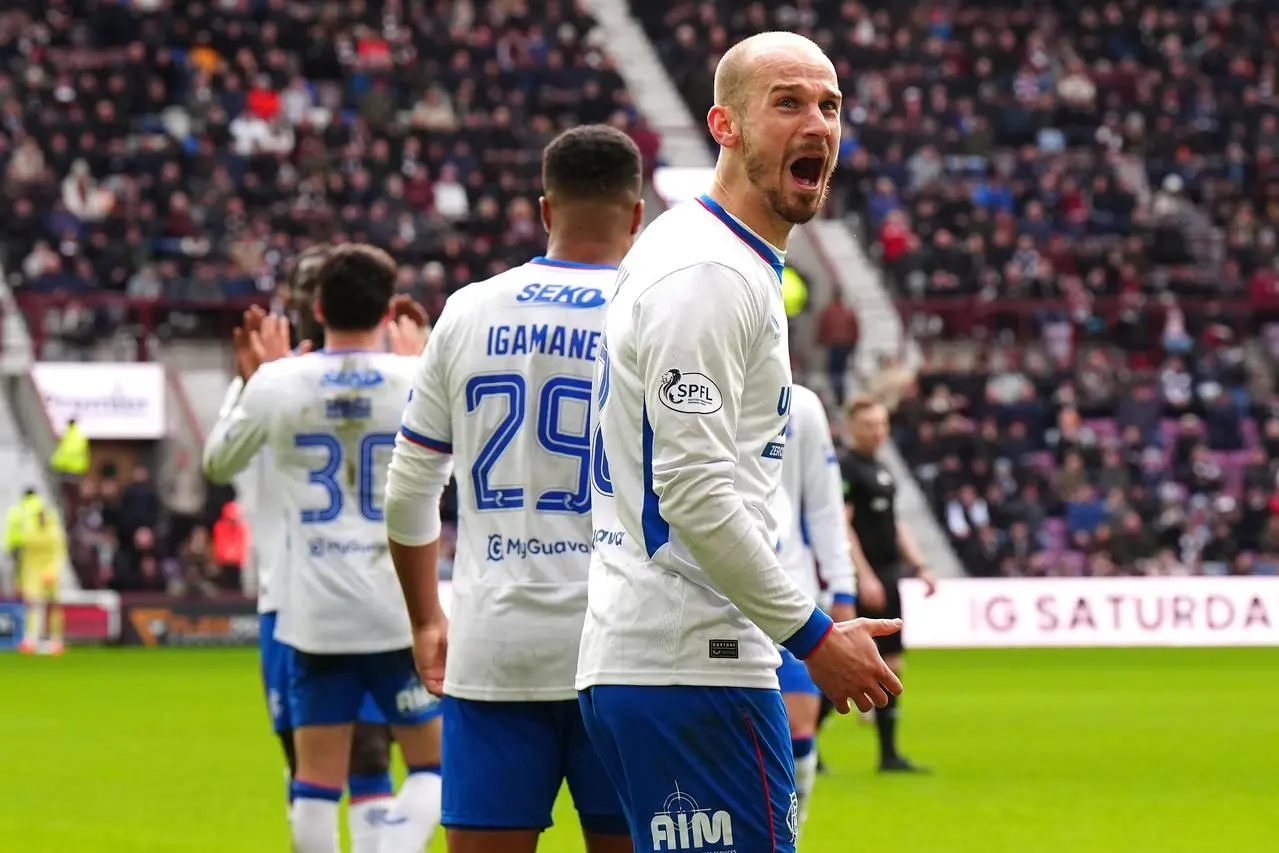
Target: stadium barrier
[147,316]
[1057,612]
[964,613]
[158,621]
[92,616]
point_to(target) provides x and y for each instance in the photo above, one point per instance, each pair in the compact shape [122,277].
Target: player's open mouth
[807,172]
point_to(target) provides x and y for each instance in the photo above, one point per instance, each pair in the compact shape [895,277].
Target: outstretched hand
[848,668]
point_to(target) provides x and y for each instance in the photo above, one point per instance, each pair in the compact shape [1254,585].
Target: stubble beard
[757,174]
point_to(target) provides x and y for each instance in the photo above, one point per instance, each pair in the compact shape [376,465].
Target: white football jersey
[505,387]
[692,395]
[812,492]
[258,494]
[329,420]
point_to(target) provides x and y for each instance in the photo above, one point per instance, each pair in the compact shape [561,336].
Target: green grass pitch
[1130,751]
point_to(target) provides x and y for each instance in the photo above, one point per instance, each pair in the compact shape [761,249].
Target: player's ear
[545,207]
[316,311]
[637,217]
[723,126]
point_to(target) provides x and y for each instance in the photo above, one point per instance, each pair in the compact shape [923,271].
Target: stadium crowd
[190,150]
[1106,175]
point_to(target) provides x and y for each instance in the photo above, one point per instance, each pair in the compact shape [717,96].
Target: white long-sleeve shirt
[265,515]
[504,388]
[817,532]
[692,394]
[329,420]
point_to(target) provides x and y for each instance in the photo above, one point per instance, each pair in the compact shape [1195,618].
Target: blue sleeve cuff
[423,441]
[845,598]
[806,640]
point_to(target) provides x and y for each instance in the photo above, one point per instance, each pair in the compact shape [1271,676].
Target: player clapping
[329,419]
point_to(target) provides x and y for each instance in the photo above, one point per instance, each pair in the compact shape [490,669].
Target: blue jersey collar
[750,238]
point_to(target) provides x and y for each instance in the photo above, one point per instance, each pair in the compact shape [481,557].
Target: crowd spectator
[1029,475]
[230,545]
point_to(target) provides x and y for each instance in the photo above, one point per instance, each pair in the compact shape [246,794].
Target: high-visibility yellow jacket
[71,456]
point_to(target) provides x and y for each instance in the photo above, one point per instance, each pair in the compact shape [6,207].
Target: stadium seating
[1088,195]
[188,151]
[164,162]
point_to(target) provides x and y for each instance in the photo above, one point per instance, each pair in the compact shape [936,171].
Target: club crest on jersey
[690,393]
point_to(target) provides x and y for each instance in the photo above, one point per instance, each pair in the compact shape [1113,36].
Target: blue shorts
[327,690]
[698,768]
[276,659]
[505,762]
[793,676]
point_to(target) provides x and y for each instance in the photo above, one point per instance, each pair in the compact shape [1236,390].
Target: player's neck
[340,341]
[748,206]
[604,253]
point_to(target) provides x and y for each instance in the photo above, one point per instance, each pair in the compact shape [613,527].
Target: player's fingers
[305,347]
[890,682]
[417,313]
[860,700]
[877,695]
[882,627]
[257,345]
[277,327]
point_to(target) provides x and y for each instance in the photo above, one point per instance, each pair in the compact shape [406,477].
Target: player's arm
[242,427]
[823,508]
[914,557]
[869,588]
[420,467]
[694,454]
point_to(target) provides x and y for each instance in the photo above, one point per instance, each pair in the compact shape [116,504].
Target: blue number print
[600,476]
[576,445]
[326,475]
[368,465]
[512,387]
[551,437]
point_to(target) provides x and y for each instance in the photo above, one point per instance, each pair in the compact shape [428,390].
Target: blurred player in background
[329,418]
[42,555]
[369,784]
[505,387]
[687,596]
[811,512]
[869,500]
